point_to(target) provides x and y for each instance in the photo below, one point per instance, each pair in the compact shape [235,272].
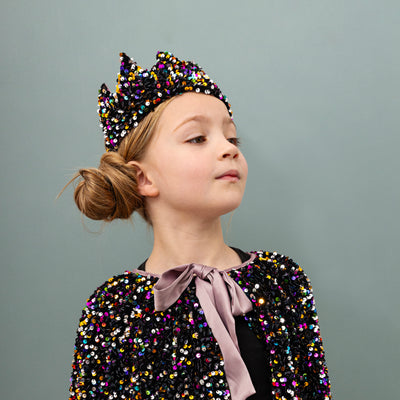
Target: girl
[198,319]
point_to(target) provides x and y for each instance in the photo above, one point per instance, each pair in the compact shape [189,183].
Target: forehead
[190,105]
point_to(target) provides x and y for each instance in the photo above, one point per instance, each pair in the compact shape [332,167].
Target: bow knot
[203,272]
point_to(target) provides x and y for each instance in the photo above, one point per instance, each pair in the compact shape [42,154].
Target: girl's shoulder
[130,288]
[272,256]
[274,271]
[276,263]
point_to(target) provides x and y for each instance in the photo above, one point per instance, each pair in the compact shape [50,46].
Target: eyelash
[195,140]
[234,140]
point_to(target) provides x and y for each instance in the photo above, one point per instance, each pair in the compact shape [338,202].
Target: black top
[252,350]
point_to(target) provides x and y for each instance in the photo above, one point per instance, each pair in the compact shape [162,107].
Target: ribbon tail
[240,303]
[237,375]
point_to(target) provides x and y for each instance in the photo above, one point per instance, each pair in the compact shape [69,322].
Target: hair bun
[110,191]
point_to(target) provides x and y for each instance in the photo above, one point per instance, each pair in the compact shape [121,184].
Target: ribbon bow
[221,299]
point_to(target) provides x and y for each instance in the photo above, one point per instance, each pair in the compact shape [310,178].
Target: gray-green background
[315,91]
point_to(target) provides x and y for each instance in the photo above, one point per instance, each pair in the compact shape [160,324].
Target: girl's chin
[228,208]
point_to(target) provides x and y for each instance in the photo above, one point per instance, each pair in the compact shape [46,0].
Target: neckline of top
[252,255]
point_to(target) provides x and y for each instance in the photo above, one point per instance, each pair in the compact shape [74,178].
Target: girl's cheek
[245,167]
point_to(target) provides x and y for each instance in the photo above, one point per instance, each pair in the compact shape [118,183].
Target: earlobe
[145,185]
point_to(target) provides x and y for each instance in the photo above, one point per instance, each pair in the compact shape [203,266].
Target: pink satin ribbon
[221,299]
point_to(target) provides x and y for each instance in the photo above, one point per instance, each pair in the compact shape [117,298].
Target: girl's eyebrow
[202,118]
[195,118]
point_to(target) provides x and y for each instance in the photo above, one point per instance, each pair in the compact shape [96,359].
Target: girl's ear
[146,187]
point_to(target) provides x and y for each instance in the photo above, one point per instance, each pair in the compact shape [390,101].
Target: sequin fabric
[126,350]
[140,90]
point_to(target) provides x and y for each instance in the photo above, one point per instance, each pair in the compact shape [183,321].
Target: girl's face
[193,163]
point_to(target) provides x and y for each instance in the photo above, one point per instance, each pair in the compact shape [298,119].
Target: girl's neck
[195,242]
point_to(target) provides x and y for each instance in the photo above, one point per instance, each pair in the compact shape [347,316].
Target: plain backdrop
[314,86]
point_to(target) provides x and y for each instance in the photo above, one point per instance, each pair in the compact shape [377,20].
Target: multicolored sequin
[140,90]
[126,350]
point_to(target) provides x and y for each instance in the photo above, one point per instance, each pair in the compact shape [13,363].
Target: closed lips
[231,173]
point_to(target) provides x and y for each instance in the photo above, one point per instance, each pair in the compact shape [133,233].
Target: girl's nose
[230,150]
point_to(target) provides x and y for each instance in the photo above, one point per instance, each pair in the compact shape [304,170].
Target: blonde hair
[111,190]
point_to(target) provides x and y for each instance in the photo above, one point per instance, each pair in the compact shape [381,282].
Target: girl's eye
[234,140]
[197,139]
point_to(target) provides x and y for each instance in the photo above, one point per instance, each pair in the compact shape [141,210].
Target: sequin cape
[126,350]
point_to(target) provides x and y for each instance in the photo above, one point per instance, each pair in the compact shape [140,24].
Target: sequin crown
[139,91]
